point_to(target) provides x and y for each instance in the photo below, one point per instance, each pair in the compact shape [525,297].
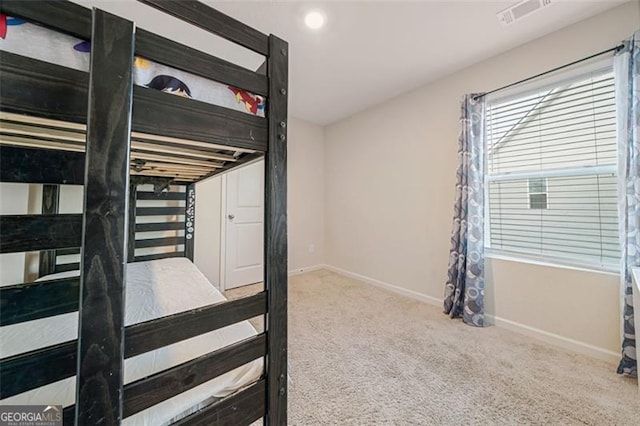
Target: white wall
[207,233]
[14,199]
[389,190]
[305,180]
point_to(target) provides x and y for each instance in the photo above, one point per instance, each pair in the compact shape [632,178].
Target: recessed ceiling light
[314,20]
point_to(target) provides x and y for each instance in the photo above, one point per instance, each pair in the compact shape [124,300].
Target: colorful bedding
[34,41]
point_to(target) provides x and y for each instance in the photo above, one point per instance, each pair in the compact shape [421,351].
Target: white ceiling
[369,51]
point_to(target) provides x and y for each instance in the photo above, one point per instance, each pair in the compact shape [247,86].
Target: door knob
[231,216]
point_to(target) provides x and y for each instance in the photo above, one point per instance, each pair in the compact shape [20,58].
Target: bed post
[275,237]
[190,221]
[99,384]
[50,205]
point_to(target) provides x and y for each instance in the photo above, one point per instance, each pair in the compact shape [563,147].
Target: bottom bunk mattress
[154,289]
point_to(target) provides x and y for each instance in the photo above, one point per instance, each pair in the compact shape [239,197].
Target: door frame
[223,234]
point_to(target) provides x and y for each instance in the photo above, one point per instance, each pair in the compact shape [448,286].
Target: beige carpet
[360,356]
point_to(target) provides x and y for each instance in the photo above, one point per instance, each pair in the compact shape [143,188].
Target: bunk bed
[130,331]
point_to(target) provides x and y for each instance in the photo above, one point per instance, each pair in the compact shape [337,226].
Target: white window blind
[551,173]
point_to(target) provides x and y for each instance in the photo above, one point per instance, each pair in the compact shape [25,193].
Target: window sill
[533,260]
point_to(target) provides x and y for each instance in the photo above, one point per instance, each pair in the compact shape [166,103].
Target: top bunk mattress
[37,42]
[154,289]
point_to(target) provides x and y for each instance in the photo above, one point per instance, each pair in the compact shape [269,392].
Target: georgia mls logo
[53,408]
[30,415]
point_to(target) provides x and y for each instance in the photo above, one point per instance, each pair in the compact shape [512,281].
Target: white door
[244,226]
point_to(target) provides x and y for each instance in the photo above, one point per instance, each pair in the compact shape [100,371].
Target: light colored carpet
[359,356]
[244,291]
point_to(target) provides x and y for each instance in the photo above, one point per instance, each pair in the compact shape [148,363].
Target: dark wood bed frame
[106,100]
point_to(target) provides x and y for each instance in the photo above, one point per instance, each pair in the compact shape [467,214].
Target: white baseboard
[390,287]
[554,339]
[305,269]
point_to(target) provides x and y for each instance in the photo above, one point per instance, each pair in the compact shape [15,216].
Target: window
[538,193]
[551,173]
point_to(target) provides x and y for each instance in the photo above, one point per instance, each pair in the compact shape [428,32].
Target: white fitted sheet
[154,289]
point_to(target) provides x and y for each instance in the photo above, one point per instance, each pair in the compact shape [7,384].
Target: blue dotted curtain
[464,289]
[627,77]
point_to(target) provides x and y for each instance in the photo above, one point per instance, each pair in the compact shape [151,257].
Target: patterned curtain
[627,76]
[464,289]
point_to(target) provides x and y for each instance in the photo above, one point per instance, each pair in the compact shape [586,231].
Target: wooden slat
[101,326]
[67,252]
[20,129]
[275,233]
[166,384]
[176,55]
[50,201]
[131,225]
[201,153]
[154,389]
[169,172]
[27,371]
[66,267]
[241,408]
[159,242]
[187,143]
[36,143]
[11,118]
[158,112]
[160,226]
[165,195]
[160,166]
[63,16]
[27,165]
[190,222]
[157,256]
[154,334]
[23,372]
[172,157]
[244,160]
[42,89]
[174,177]
[20,233]
[159,211]
[156,182]
[215,22]
[30,301]
[151,390]
[41,143]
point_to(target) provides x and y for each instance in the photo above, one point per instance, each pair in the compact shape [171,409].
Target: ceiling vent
[522,9]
